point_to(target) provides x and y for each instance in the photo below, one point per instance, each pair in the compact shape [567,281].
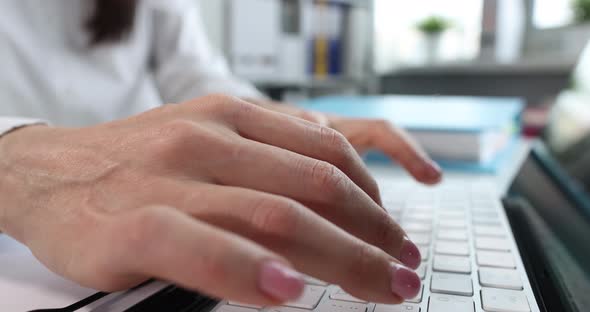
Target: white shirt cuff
[8,124]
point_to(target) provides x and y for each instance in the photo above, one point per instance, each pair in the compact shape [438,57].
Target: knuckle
[365,258]
[227,107]
[143,228]
[179,128]
[278,217]
[173,139]
[241,110]
[342,153]
[327,178]
[332,137]
[372,188]
[178,132]
[213,105]
[210,266]
[387,233]
[383,124]
[212,101]
[311,117]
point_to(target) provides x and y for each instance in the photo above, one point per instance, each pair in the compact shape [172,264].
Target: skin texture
[217,195]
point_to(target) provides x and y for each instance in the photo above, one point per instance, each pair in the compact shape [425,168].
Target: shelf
[357,3]
[312,83]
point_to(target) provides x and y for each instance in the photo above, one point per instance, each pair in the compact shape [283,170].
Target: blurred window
[399,42]
[552,13]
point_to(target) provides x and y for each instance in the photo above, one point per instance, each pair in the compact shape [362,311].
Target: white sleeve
[8,124]
[185,64]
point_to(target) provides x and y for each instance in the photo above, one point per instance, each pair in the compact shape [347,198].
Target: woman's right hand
[216,195]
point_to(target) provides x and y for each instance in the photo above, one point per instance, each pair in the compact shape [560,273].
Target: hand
[216,195]
[366,134]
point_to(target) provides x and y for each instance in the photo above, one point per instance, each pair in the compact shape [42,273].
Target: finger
[223,158]
[321,186]
[397,144]
[165,243]
[314,245]
[305,138]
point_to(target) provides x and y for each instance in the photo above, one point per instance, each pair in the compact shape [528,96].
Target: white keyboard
[470,261]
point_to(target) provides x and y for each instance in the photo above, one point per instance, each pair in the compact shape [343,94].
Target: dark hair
[111,20]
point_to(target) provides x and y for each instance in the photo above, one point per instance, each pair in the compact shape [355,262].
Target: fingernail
[281,282]
[404,282]
[410,254]
[433,170]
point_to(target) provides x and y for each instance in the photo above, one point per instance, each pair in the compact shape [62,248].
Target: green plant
[434,25]
[581,10]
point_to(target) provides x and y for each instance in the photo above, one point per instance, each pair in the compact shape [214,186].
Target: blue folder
[431,113]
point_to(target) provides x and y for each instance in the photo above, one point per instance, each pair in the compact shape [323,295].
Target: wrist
[14,144]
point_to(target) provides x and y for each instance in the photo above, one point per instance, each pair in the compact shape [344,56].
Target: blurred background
[530,49]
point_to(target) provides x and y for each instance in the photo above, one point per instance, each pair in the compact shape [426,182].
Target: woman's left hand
[366,134]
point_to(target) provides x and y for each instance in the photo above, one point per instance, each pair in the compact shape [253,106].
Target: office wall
[563,44]
[212,12]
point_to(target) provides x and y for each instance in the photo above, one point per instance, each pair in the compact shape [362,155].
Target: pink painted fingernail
[410,254]
[404,282]
[280,281]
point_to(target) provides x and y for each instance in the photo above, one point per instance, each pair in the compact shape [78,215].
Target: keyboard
[470,262]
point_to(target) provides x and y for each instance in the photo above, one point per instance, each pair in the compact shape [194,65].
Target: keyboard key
[451,284]
[314,281]
[452,264]
[284,309]
[483,206]
[496,259]
[489,230]
[234,303]
[500,278]
[452,214]
[421,206]
[418,217]
[447,303]
[418,297]
[419,227]
[404,307]
[492,243]
[484,214]
[395,207]
[421,271]
[452,248]
[502,300]
[454,235]
[340,294]
[458,195]
[451,206]
[340,306]
[310,298]
[453,224]
[486,221]
[424,252]
[420,238]
[233,308]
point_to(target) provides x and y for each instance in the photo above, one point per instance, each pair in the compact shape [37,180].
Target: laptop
[528,252]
